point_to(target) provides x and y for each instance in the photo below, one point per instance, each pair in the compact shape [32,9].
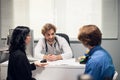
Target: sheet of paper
[65,63]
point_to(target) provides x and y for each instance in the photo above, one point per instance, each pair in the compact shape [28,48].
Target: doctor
[52,47]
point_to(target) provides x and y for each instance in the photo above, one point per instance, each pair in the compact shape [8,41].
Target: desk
[57,70]
[4,54]
[60,70]
[3,49]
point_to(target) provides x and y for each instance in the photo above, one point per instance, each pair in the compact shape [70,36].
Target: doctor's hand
[39,64]
[52,57]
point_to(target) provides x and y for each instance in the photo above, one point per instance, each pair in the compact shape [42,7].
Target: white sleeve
[67,51]
[38,49]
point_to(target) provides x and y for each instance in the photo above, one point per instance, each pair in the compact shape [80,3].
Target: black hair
[18,38]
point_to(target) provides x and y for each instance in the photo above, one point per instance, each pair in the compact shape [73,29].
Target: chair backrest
[65,36]
[115,75]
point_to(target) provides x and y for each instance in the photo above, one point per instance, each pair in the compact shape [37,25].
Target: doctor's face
[50,36]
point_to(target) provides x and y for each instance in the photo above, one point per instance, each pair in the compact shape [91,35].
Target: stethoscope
[54,44]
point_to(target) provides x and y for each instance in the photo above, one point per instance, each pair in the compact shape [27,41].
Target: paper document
[63,63]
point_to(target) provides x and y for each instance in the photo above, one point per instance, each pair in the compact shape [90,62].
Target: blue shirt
[99,64]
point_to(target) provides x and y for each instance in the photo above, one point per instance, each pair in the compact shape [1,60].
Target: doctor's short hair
[47,27]
[90,35]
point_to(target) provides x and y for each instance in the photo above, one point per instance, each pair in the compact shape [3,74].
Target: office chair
[65,36]
[115,75]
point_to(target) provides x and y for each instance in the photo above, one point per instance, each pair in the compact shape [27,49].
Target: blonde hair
[47,27]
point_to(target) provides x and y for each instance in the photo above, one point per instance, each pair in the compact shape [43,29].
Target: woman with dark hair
[99,63]
[19,67]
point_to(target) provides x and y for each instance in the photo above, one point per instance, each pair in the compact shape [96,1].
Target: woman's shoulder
[18,53]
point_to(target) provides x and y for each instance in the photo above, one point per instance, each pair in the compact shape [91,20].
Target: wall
[35,14]
[113,46]
[6,16]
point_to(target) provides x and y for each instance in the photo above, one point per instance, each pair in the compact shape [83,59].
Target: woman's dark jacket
[19,67]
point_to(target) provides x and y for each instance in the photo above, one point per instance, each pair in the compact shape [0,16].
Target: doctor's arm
[67,51]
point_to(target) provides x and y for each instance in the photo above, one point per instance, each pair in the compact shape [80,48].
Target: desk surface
[56,70]
[60,70]
[4,49]
[68,63]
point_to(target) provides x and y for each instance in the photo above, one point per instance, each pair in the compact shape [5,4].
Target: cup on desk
[85,77]
[79,58]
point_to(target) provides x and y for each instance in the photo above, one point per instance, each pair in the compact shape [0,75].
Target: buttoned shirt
[99,64]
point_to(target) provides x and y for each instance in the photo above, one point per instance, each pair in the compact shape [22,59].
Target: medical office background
[68,16]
